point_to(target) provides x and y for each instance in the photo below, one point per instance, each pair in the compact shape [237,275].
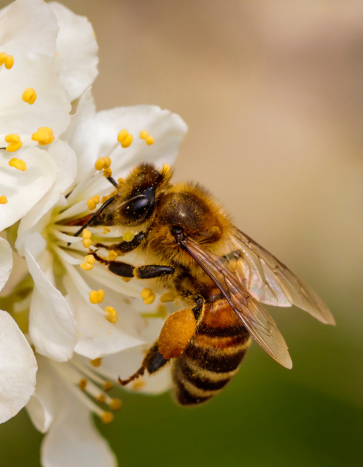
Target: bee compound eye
[137,209]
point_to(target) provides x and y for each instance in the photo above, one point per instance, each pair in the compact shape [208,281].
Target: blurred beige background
[272,92]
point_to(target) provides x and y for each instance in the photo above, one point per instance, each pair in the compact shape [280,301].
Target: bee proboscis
[222,275]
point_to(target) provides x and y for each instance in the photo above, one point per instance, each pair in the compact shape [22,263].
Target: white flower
[79,312]
[17,362]
[41,72]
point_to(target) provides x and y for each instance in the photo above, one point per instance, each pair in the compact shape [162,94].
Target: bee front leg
[124,247]
[152,363]
[141,272]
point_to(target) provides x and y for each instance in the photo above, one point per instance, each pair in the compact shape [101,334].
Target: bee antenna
[92,218]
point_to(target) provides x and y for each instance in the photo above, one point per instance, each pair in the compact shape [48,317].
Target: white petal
[73,441]
[17,368]
[98,337]
[52,327]
[94,137]
[31,22]
[24,189]
[52,106]
[44,401]
[6,262]
[76,60]
[66,161]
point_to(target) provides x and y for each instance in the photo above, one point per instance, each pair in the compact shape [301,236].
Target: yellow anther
[9,62]
[107,173]
[125,138]
[96,296]
[107,162]
[149,140]
[17,164]
[3,56]
[143,134]
[86,242]
[29,96]
[96,199]
[43,136]
[112,255]
[100,164]
[96,362]
[128,237]
[107,386]
[90,259]
[111,314]
[91,204]
[107,417]
[14,142]
[3,199]
[167,297]
[86,234]
[101,398]
[106,230]
[115,404]
[148,296]
[126,279]
[86,266]
[138,384]
[82,383]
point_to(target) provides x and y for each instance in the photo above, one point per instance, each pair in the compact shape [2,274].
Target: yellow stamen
[112,255]
[143,134]
[111,314]
[148,296]
[128,237]
[91,204]
[96,296]
[107,162]
[107,417]
[86,242]
[82,383]
[125,138]
[6,59]
[126,279]
[86,234]
[43,136]
[17,164]
[3,199]
[149,140]
[107,386]
[102,163]
[86,266]
[96,362]
[29,96]
[101,398]
[107,172]
[115,404]
[89,261]
[14,142]
[167,297]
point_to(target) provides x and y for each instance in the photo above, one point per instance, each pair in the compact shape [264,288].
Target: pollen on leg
[3,199]
[111,314]
[176,333]
[18,164]
[125,138]
[43,136]
[148,296]
[29,96]
[14,142]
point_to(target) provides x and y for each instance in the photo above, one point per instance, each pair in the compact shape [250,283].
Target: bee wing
[251,313]
[271,282]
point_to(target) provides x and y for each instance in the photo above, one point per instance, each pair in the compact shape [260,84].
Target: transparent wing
[270,281]
[251,313]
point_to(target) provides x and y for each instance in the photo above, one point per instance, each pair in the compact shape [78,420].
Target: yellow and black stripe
[212,357]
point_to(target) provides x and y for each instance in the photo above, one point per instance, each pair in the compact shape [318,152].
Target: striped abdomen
[212,357]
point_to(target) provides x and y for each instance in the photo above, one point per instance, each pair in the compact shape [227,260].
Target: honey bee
[221,274]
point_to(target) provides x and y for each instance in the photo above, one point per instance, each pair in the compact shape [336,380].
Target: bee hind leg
[127,270]
[152,363]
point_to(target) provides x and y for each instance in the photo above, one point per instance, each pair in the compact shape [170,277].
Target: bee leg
[141,272]
[124,247]
[153,362]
